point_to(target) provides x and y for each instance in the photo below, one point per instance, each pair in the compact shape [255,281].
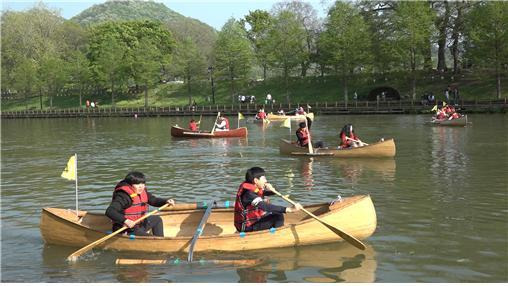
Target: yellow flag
[444,104]
[70,171]
[240,116]
[286,123]
[434,109]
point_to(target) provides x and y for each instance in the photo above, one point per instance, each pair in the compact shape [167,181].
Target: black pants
[153,223]
[272,220]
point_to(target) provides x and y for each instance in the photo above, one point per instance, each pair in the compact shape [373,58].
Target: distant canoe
[354,215]
[461,121]
[180,132]
[276,117]
[381,149]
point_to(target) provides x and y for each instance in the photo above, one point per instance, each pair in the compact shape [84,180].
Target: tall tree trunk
[232,86]
[264,72]
[442,24]
[498,81]
[457,27]
[40,96]
[189,88]
[344,78]
[80,95]
[286,75]
[413,72]
[112,94]
[146,94]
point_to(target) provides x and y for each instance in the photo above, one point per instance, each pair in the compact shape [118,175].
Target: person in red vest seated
[302,134]
[252,211]
[130,202]
[261,115]
[222,124]
[441,113]
[348,138]
[194,125]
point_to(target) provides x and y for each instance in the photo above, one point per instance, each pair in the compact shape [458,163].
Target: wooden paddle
[347,237]
[234,262]
[357,141]
[311,149]
[215,123]
[199,230]
[74,256]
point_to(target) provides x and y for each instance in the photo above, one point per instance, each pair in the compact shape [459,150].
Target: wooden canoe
[381,149]
[181,132]
[461,121]
[276,117]
[355,215]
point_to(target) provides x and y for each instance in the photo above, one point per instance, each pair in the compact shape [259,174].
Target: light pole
[210,70]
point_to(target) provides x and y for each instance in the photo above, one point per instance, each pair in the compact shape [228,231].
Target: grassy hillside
[328,89]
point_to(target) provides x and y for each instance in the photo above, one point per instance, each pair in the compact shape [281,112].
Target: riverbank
[355,107]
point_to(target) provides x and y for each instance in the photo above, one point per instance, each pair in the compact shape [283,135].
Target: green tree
[286,42]
[413,25]
[307,17]
[53,75]
[80,73]
[257,24]
[347,40]
[189,63]
[233,54]
[488,36]
[24,77]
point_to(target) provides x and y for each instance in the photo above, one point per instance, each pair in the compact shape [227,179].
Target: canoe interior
[183,224]
[380,149]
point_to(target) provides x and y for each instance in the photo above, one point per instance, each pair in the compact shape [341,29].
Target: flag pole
[76,176]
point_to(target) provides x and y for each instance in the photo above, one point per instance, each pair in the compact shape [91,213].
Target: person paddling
[222,124]
[252,211]
[302,135]
[348,138]
[193,125]
[130,202]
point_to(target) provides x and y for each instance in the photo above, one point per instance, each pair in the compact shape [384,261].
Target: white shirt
[221,125]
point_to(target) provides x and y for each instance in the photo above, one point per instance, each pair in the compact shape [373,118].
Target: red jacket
[303,139]
[193,126]
[247,216]
[139,205]
[346,143]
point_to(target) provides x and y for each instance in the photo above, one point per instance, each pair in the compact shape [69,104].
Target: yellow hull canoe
[276,117]
[354,215]
[381,149]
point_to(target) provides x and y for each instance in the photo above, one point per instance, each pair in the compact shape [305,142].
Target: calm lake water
[441,203]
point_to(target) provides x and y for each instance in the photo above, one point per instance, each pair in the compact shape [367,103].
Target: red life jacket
[304,132]
[193,126]
[247,216]
[139,205]
[344,141]
[261,115]
[227,123]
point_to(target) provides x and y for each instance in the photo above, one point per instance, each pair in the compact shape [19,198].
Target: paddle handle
[199,230]
[215,123]
[80,251]
[311,149]
[356,140]
[347,237]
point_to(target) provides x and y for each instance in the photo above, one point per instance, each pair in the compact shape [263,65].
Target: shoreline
[326,108]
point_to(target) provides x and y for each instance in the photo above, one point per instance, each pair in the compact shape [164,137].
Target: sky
[212,12]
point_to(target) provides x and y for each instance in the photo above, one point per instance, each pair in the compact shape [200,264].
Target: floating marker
[177,261]
[226,204]
[132,236]
[242,234]
[272,230]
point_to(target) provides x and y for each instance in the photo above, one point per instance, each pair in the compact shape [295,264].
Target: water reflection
[337,262]
[449,158]
[355,169]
